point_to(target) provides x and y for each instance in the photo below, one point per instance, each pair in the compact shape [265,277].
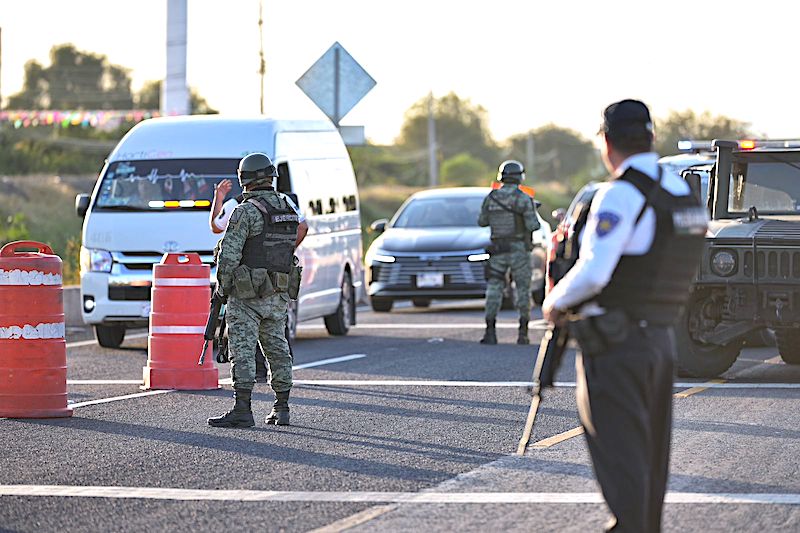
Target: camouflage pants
[519,263]
[259,320]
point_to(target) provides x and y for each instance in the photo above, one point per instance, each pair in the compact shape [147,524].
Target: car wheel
[788,341]
[538,296]
[109,336]
[421,302]
[339,322]
[291,321]
[381,305]
[698,359]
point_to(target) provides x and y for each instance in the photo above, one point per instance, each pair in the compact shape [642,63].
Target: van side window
[284,181]
[333,205]
[349,202]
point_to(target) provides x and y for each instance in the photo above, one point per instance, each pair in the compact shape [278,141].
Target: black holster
[595,334]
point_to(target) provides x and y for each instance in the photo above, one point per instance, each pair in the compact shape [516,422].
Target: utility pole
[1,68]
[433,168]
[529,155]
[263,67]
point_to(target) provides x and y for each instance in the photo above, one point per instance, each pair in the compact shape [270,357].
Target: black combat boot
[490,337]
[522,337]
[280,410]
[241,416]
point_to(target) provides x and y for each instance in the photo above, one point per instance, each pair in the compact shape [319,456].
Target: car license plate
[430,280]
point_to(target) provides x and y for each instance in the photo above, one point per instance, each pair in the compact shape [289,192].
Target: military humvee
[749,276]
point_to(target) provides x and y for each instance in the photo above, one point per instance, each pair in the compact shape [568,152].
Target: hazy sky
[528,62]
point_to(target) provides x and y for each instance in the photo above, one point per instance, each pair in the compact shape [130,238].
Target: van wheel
[788,345]
[291,321]
[339,322]
[421,302]
[109,336]
[381,305]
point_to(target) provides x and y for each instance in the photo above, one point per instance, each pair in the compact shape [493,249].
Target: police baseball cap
[626,117]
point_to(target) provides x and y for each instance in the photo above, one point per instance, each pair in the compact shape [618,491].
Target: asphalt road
[405,423]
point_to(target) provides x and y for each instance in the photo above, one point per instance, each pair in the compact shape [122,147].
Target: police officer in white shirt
[637,256]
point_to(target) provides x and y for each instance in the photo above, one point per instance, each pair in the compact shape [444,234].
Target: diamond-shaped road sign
[336,82]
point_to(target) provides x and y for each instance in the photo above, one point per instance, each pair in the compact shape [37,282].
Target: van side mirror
[379,226]
[81,204]
[293,197]
[695,183]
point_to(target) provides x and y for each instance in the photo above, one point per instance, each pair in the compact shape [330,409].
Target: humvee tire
[699,360]
[788,341]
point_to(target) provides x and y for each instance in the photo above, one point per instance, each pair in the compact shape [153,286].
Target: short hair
[630,142]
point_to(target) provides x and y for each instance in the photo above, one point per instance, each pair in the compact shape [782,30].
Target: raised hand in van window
[221,190]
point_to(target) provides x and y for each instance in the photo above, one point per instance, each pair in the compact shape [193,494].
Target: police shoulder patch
[606,222]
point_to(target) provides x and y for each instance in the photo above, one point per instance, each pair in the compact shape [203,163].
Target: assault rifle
[213,321]
[551,350]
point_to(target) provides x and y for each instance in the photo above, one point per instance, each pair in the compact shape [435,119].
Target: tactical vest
[507,223]
[655,286]
[273,248]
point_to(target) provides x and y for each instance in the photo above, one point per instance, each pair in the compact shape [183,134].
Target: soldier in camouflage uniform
[258,273]
[511,214]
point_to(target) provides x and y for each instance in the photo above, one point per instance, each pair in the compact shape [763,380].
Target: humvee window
[772,187]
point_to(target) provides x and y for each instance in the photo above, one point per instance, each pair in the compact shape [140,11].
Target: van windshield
[161,184]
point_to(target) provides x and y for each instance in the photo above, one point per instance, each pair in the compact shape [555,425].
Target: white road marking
[224,381]
[535,324]
[330,361]
[90,342]
[117,398]
[380,497]
[436,383]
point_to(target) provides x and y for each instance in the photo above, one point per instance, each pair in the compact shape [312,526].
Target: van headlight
[723,263]
[95,260]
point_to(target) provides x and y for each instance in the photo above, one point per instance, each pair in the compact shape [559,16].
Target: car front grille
[129,293]
[457,270]
[773,264]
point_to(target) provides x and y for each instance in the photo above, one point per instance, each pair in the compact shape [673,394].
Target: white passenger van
[154,195]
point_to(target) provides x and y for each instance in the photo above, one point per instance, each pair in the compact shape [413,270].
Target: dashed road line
[700,388]
[555,439]
[173,494]
[118,398]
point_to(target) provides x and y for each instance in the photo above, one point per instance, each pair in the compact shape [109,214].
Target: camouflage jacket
[510,195]
[246,221]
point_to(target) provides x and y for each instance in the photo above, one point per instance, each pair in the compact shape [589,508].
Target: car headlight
[95,260]
[723,263]
[383,258]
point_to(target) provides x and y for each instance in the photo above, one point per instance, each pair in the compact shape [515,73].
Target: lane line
[224,381]
[448,383]
[330,361]
[537,324]
[700,388]
[77,344]
[555,439]
[378,497]
[117,398]
[357,519]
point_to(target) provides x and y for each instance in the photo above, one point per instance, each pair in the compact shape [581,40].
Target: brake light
[747,145]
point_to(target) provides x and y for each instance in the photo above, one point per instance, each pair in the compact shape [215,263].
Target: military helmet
[256,167]
[511,172]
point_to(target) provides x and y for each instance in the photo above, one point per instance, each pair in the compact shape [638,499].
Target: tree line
[466,152]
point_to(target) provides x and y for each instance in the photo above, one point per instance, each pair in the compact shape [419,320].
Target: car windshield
[160,184]
[460,211]
[772,187]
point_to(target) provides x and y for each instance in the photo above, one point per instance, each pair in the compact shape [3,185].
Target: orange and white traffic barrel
[33,350]
[179,310]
